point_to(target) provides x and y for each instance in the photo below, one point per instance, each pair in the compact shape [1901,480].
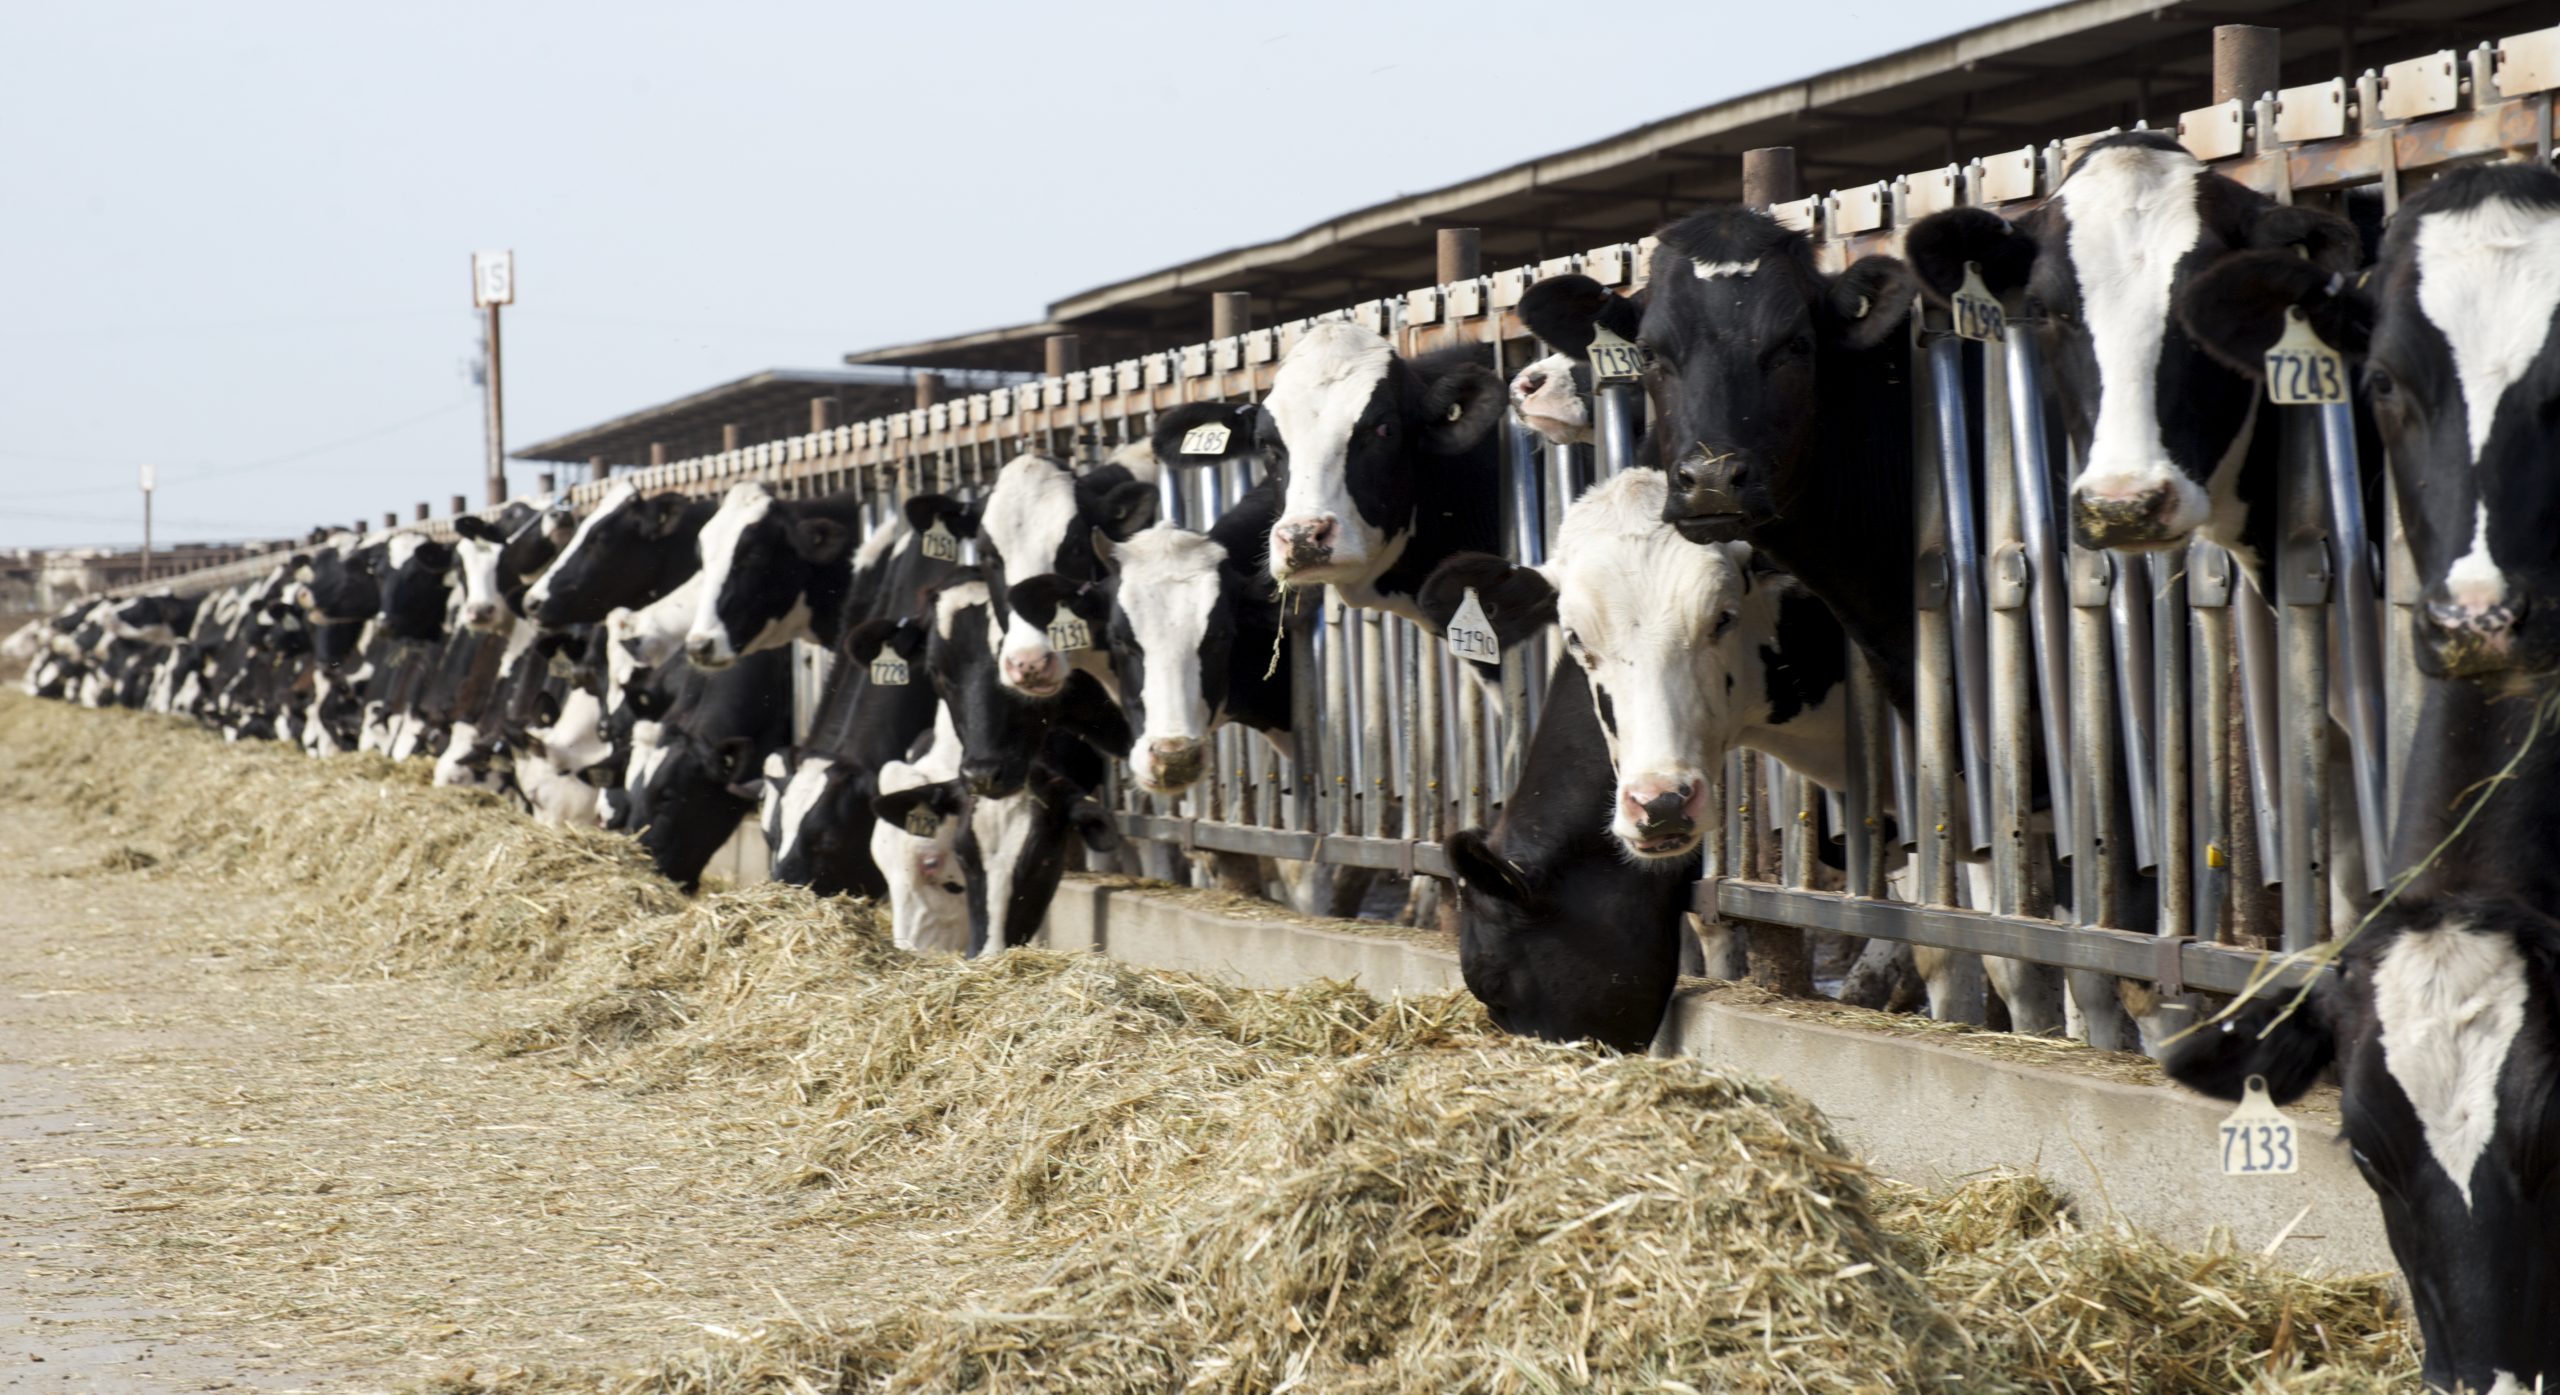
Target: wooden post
[1059,355]
[729,436]
[928,390]
[1769,176]
[390,519]
[548,482]
[1230,314]
[2246,62]
[822,414]
[461,506]
[496,414]
[1461,254]
[598,468]
[422,510]
[657,452]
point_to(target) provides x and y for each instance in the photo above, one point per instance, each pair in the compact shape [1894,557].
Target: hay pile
[1242,1191]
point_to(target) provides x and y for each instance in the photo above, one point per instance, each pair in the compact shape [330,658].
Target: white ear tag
[1613,359]
[1978,313]
[1470,635]
[2301,370]
[888,671]
[1068,633]
[922,822]
[939,544]
[2257,1139]
[1210,439]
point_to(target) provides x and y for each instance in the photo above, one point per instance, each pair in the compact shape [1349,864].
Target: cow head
[1178,603]
[1552,397]
[415,595]
[928,887]
[478,552]
[1347,424]
[593,572]
[2440,1031]
[999,733]
[1034,524]
[2462,371]
[759,559]
[817,821]
[2161,428]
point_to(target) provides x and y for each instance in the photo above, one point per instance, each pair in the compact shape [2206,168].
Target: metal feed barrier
[2186,722]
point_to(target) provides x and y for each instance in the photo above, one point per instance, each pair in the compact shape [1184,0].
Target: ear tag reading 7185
[1209,439]
[939,544]
[922,822]
[2257,1139]
[2301,370]
[1613,359]
[1470,635]
[1977,311]
[1068,633]
[888,671]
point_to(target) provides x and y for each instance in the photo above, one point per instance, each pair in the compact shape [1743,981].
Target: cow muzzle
[2473,637]
[2142,510]
[1705,500]
[1658,815]
[991,779]
[481,615]
[1301,545]
[1038,674]
[1171,764]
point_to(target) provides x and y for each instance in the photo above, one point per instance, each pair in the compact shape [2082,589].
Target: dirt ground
[140,1060]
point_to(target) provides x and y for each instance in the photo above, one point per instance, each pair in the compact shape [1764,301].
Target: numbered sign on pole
[493,279]
[150,478]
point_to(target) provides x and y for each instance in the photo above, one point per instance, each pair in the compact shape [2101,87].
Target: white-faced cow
[1036,521]
[915,839]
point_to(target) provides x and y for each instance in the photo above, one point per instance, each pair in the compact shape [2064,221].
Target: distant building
[37,579]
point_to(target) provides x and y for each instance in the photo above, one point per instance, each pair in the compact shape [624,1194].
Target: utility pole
[493,284]
[150,477]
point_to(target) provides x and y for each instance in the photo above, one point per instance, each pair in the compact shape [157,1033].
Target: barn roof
[763,406]
[2063,70]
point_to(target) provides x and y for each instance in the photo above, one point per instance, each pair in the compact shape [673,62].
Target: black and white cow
[915,841]
[1036,521]
[700,784]
[629,550]
[2462,373]
[1001,733]
[499,558]
[775,570]
[2171,442]
[1553,397]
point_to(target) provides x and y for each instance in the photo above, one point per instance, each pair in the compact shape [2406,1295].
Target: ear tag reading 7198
[1977,311]
[2301,370]
[1068,633]
[1209,439]
[888,671]
[1613,359]
[939,544]
[1470,635]
[922,822]
[2257,1139]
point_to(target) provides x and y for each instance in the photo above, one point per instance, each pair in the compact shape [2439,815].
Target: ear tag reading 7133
[1068,633]
[2257,1139]
[2301,370]
[1208,439]
[1977,311]
[1470,635]
[922,822]
[939,544]
[888,671]
[1613,359]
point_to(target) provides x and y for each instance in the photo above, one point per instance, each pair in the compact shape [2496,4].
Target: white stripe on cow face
[619,496]
[2450,1002]
[807,789]
[2489,281]
[709,641]
[1003,828]
[1026,522]
[481,604]
[2134,216]
[1317,398]
[928,889]
[1167,592]
[1712,271]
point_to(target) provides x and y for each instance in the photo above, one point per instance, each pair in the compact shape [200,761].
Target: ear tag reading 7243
[888,671]
[922,822]
[1209,439]
[2257,1139]
[2301,370]
[939,544]
[1613,359]
[1470,635]
[1068,633]
[1977,311]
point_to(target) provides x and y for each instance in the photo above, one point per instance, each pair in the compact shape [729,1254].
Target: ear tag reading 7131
[1068,633]
[1613,359]
[922,822]
[1977,311]
[2301,370]
[939,544]
[2257,1139]
[1208,439]
[888,671]
[1470,635]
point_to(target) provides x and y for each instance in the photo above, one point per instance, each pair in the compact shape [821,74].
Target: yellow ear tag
[2301,370]
[889,671]
[1613,359]
[2257,1138]
[1977,311]
[939,544]
[1470,635]
[1210,439]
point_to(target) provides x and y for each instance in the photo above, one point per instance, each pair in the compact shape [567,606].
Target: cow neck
[2471,737]
[1458,509]
[831,587]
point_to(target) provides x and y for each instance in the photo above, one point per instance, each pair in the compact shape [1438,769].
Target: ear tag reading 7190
[2257,1139]
[1613,359]
[2301,370]
[1470,635]
[1208,439]
[939,545]
[922,822]
[1977,311]
[888,671]
[1068,633]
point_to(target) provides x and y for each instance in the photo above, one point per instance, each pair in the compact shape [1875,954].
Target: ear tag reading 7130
[1470,635]
[1068,633]
[922,822]
[1613,359]
[939,544]
[2257,1139]
[1208,439]
[2301,370]
[888,671]
[1977,311]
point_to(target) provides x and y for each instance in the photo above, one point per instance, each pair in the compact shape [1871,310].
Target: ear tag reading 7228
[1068,633]
[2301,370]
[1209,439]
[2257,1139]
[939,544]
[1470,635]
[888,671]
[922,822]
[1977,311]
[1613,359]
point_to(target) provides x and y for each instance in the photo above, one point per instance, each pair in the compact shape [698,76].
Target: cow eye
[1384,430]
[1724,622]
[2379,382]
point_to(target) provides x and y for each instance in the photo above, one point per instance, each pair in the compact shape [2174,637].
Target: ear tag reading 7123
[1977,311]
[922,822]
[2257,1139]
[2301,370]
[1208,439]
[939,544]
[1470,635]
[1613,359]
[1068,633]
[888,671]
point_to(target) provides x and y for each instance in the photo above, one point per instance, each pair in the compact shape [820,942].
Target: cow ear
[434,556]
[1086,711]
[1037,598]
[2326,240]
[865,641]
[1128,510]
[1872,298]
[1183,426]
[1942,245]
[2261,1039]
[1563,311]
[661,513]
[823,541]
[1093,823]
[1485,871]
[925,510]
[907,641]
[2236,307]
[1103,547]
[1519,600]
[1461,405]
[475,528]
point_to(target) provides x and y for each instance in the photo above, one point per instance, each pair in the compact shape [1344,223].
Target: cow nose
[1176,761]
[1532,383]
[2133,510]
[985,777]
[1032,671]
[1663,811]
[480,615]
[1308,542]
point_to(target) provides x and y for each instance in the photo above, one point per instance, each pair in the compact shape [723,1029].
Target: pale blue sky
[237,236]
